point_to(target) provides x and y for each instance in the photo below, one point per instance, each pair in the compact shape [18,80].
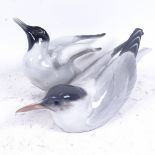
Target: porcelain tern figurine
[51,63]
[93,97]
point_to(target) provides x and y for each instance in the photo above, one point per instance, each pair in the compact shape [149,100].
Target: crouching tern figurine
[94,96]
[51,63]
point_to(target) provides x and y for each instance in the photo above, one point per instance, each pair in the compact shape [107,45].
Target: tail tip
[139,30]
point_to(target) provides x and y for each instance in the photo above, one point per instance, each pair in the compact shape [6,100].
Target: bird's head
[58,98]
[35,34]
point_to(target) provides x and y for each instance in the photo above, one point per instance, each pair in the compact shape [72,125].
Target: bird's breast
[74,119]
[43,74]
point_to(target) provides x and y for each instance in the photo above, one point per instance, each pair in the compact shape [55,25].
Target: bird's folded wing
[73,52]
[89,64]
[66,47]
[113,86]
[91,67]
[83,54]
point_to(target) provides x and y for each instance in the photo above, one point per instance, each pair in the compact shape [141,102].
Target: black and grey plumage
[96,95]
[49,63]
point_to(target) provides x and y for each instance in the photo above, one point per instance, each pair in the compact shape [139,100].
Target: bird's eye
[56,102]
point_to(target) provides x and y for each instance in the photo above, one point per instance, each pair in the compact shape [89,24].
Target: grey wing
[79,54]
[115,82]
[99,64]
[89,63]
[113,87]
[72,47]
[92,66]
[63,42]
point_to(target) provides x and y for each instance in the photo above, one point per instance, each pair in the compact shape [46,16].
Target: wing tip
[139,30]
[132,44]
[91,36]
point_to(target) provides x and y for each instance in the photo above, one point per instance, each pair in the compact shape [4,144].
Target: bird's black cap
[34,33]
[61,92]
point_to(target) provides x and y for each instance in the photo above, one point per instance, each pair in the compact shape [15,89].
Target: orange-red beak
[31,107]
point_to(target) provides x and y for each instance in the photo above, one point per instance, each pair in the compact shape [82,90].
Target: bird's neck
[40,49]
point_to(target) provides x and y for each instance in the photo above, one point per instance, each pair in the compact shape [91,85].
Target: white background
[130,132]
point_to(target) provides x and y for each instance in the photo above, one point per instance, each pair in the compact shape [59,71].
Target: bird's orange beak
[31,107]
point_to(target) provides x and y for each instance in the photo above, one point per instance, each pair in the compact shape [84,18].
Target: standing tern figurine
[51,63]
[96,95]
